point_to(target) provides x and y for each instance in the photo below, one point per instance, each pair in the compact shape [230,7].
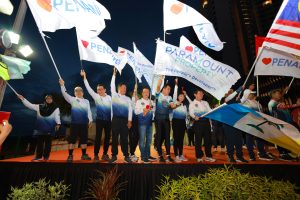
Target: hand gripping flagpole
[54,64]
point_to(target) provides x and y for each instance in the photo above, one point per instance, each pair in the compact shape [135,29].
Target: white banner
[51,15]
[143,66]
[277,63]
[212,76]
[188,46]
[96,50]
[131,61]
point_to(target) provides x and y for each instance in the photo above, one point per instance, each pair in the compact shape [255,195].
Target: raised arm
[89,112]
[67,97]
[87,85]
[175,94]
[57,116]
[29,105]
[159,83]
[113,83]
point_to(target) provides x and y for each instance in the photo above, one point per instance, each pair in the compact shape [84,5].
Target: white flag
[188,46]
[51,15]
[143,66]
[212,76]
[178,15]
[96,50]
[131,61]
[277,63]
[208,36]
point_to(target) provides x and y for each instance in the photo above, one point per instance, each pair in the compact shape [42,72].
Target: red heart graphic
[177,8]
[122,51]
[266,61]
[45,4]
[189,48]
[85,43]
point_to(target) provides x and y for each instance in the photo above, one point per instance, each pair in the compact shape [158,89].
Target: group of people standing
[129,121]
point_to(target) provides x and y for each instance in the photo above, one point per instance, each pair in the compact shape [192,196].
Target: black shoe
[146,161]
[152,158]
[70,158]
[161,159]
[231,159]
[96,158]
[241,160]
[127,159]
[86,157]
[169,159]
[113,159]
[105,157]
[252,159]
[286,157]
[264,157]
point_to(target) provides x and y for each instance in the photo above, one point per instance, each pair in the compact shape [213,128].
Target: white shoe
[177,159]
[182,158]
[134,158]
[209,159]
[199,160]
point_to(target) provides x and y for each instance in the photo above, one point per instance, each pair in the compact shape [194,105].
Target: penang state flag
[284,33]
[259,124]
[51,15]
[96,50]
[178,15]
[277,63]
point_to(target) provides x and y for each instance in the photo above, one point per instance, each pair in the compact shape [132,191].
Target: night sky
[131,21]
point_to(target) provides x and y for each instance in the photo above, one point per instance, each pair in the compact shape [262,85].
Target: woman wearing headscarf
[48,121]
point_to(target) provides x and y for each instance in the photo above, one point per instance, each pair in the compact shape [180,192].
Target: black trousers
[163,131]
[43,147]
[80,130]
[234,139]
[202,131]
[191,136]
[119,128]
[218,136]
[134,136]
[178,127]
[100,125]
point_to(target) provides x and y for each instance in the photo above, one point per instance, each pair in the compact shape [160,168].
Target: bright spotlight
[14,37]
[25,50]
[6,7]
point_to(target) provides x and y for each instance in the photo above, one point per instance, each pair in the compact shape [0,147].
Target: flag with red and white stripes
[284,33]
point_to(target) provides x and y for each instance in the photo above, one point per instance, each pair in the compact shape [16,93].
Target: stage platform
[142,179]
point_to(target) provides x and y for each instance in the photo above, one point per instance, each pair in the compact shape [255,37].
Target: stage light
[25,50]
[204,4]
[267,2]
[14,38]
[5,40]
[6,7]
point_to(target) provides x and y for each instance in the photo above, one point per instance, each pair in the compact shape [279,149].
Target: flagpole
[290,85]
[12,88]
[50,55]
[217,108]
[257,87]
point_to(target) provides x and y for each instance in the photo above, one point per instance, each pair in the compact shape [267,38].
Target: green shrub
[225,184]
[40,190]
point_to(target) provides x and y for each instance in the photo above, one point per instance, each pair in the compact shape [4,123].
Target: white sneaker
[209,159]
[177,159]
[182,158]
[199,160]
[134,158]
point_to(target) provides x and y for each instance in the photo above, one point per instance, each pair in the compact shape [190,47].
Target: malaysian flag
[284,34]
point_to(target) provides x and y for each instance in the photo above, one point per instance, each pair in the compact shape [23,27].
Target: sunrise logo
[45,4]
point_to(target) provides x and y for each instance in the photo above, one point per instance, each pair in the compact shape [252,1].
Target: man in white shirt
[202,126]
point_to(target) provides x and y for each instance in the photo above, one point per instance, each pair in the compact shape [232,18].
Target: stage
[142,179]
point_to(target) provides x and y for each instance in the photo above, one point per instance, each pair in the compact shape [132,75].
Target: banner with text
[277,63]
[212,76]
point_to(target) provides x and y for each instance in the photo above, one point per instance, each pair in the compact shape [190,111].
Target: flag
[51,15]
[130,61]
[4,71]
[178,15]
[212,76]
[188,46]
[277,63]
[258,43]
[258,124]
[16,66]
[143,66]
[284,33]
[96,50]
